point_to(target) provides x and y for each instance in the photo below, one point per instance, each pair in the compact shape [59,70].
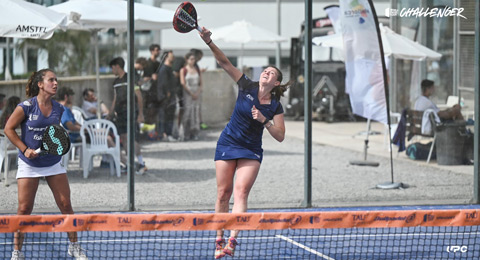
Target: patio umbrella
[394,45]
[97,15]
[112,14]
[244,32]
[21,19]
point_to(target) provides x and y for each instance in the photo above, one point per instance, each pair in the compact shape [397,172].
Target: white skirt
[28,171]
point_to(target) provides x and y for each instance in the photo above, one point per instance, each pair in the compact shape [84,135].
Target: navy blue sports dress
[242,137]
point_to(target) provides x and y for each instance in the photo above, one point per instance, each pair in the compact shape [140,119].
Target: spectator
[148,91]
[119,108]
[198,56]
[90,104]
[152,63]
[167,85]
[65,98]
[178,64]
[423,103]
[10,106]
[2,102]
[191,80]
[149,87]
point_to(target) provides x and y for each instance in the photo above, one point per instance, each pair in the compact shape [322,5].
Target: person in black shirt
[119,107]
[167,86]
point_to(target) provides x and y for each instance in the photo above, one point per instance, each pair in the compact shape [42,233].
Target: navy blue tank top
[33,126]
[242,127]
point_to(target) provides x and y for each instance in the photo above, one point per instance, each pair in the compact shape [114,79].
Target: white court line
[304,247]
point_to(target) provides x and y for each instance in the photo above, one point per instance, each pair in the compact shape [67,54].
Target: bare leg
[111,143]
[61,192]
[247,171]
[27,189]
[225,171]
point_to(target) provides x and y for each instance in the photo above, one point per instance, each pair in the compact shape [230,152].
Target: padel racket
[185,18]
[55,141]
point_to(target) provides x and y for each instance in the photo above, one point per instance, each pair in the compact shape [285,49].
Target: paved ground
[181,176]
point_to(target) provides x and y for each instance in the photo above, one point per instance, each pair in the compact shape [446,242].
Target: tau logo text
[358,217]
[124,220]
[243,219]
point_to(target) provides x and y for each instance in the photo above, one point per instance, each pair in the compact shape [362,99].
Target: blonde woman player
[239,149]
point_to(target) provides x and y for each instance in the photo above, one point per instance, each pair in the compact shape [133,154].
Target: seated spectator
[423,103]
[90,104]
[11,104]
[2,102]
[65,98]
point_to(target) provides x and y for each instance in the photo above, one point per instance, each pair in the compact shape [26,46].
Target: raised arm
[222,60]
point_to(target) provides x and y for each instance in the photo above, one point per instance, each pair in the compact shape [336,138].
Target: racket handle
[199,28]
[38,150]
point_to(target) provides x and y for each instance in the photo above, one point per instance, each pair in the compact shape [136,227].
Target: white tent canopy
[21,19]
[394,45]
[112,14]
[243,32]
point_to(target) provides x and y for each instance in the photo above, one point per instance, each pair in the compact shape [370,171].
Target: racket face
[56,140]
[185,18]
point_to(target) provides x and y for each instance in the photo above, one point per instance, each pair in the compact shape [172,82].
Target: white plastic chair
[79,114]
[97,132]
[5,154]
[80,117]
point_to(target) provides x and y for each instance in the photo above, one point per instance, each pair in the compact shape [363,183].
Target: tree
[68,52]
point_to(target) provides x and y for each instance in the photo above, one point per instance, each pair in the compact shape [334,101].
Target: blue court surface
[352,243]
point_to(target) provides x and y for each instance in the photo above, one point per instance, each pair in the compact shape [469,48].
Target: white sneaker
[76,251]
[17,255]
[171,138]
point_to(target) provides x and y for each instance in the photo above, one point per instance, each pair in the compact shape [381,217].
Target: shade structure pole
[97,73]
[7,71]
[476,138]
[307,198]
[131,108]
[278,48]
[240,64]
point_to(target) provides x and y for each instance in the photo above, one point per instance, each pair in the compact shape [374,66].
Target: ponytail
[32,88]
[279,90]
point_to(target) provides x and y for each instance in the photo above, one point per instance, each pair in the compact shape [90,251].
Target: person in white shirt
[90,104]
[423,103]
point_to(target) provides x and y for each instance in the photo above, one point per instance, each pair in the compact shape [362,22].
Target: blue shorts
[229,149]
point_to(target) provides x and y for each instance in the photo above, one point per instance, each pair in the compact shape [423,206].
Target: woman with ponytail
[33,116]
[239,149]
